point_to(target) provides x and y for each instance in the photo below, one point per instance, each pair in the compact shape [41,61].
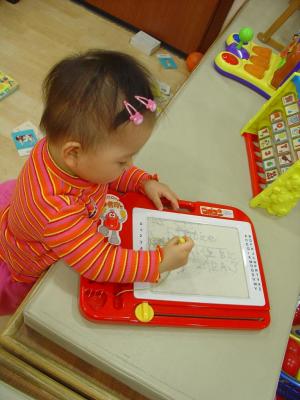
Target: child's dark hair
[84,95]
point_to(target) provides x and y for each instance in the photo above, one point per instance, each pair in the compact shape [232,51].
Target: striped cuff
[148,177]
[154,275]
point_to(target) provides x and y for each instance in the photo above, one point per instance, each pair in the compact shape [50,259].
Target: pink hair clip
[148,103]
[135,116]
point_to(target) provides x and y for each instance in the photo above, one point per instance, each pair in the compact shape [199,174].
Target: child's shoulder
[37,153]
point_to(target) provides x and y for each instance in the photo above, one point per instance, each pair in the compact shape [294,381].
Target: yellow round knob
[144,312]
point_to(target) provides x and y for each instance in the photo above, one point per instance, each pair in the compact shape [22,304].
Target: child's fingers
[173,241]
[172,197]
[189,244]
[157,202]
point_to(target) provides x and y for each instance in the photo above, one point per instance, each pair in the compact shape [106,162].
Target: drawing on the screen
[215,267]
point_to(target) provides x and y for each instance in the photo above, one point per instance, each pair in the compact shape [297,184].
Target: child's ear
[71,152]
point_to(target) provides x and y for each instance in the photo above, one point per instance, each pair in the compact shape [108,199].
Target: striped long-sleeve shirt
[49,218]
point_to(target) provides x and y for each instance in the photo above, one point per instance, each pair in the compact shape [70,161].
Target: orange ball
[193,60]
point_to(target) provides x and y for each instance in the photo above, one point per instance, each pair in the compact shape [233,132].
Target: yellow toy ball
[144,312]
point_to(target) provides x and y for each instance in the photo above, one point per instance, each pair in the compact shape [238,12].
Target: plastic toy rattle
[236,48]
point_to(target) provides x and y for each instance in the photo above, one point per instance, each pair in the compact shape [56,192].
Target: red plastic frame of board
[256,171]
[99,301]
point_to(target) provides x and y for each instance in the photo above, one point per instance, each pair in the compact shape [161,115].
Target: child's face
[114,156]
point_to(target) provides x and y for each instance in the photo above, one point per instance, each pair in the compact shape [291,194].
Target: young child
[99,112]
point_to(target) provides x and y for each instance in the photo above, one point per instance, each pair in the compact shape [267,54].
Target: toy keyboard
[272,139]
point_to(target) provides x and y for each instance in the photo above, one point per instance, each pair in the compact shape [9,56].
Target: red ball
[193,60]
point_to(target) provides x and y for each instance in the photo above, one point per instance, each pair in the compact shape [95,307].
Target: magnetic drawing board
[222,267]
[215,265]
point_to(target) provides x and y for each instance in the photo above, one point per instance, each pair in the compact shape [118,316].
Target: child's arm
[131,180]
[73,237]
[136,180]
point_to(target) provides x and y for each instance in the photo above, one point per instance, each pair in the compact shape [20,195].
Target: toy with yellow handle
[144,312]
[237,47]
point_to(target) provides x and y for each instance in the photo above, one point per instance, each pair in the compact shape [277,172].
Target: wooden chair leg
[266,37]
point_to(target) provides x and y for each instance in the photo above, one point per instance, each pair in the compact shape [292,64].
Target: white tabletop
[198,151]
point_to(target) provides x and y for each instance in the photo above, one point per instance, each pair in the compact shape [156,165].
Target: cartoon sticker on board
[112,219]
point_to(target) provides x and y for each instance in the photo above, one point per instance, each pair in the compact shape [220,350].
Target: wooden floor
[35,34]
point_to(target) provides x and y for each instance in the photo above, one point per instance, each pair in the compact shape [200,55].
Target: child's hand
[155,190]
[175,254]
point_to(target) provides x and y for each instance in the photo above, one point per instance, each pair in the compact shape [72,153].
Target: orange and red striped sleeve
[73,237]
[130,180]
